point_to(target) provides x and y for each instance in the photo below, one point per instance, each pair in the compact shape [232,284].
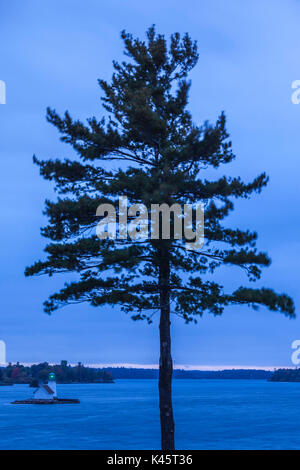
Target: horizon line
[189,367]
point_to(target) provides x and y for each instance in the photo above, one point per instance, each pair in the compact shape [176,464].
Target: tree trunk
[165,363]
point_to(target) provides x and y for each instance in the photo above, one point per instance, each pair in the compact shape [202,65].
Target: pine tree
[162,157]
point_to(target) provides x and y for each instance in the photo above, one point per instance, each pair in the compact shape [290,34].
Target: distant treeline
[20,374]
[65,373]
[132,373]
[285,375]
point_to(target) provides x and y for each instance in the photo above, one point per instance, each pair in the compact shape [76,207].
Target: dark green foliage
[132,373]
[20,374]
[163,155]
[285,375]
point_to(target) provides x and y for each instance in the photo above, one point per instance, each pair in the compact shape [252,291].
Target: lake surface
[209,414]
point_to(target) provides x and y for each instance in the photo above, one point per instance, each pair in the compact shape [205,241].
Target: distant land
[66,373]
[138,373]
[285,375]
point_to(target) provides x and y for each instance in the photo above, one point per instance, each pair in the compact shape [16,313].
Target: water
[209,414]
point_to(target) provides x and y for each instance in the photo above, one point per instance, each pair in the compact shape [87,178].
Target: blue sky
[51,54]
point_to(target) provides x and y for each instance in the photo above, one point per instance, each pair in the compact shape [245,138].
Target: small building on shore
[45,394]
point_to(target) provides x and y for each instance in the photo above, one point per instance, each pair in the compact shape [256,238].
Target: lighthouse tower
[52,384]
[46,392]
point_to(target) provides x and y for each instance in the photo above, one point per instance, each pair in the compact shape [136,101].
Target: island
[285,375]
[46,394]
[64,373]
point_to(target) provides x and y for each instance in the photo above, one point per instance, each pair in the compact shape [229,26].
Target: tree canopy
[150,129]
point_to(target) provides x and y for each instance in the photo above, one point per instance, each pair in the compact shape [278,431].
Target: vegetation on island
[285,375]
[65,373]
[146,146]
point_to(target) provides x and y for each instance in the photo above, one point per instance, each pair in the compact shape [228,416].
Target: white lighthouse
[46,391]
[46,394]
